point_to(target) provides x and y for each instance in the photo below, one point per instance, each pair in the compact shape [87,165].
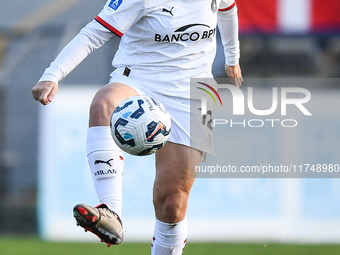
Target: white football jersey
[165,40]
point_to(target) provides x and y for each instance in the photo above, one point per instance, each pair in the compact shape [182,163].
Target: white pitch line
[43,14]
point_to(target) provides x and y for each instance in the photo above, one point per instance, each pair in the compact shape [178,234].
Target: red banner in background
[325,16]
[289,16]
[257,16]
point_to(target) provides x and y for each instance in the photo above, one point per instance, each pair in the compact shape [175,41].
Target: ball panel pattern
[140,125]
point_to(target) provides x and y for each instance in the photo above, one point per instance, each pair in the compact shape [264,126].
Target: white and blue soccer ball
[140,125]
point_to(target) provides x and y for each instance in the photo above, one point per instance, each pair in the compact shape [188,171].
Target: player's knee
[171,208]
[105,102]
[100,112]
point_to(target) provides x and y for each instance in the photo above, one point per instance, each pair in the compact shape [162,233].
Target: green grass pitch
[35,246]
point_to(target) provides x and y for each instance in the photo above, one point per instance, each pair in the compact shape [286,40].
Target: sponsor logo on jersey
[114,4]
[168,11]
[181,34]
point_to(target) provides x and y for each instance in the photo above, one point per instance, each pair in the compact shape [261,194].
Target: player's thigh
[175,165]
[106,100]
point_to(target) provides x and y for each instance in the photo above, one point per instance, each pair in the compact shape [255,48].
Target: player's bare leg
[172,186]
[106,164]
[105,102]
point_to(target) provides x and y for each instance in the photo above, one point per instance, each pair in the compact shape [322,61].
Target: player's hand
[44,91]
[235,74]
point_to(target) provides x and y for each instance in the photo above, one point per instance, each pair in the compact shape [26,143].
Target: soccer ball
[140,125]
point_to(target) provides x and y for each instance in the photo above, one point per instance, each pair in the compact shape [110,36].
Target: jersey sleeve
[226,5]
[91,37]
[228,26]
[119,15]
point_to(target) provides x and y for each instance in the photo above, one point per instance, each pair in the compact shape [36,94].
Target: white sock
[106,164]
[169,238]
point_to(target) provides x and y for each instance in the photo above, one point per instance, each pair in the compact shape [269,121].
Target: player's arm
[228,27]
[91,37]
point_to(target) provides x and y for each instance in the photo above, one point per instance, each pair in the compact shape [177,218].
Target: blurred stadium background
[279,38]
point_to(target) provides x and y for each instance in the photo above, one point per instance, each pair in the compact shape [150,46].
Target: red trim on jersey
[108,26]
[228,8]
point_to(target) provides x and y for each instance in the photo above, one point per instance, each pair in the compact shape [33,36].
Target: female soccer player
[163,44]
